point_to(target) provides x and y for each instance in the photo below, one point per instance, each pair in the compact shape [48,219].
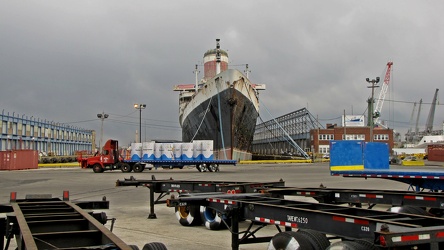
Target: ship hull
[225,110]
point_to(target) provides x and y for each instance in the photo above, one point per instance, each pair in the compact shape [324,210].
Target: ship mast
[246,70]
[217,57]
[196,72]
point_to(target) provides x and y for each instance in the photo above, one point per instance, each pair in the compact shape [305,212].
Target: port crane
[380,103]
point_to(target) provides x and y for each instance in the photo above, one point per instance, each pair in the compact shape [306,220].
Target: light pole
[140,107]
[102,117]
[370,101]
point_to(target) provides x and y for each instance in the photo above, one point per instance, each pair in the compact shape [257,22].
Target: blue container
[346,155]
[376,155]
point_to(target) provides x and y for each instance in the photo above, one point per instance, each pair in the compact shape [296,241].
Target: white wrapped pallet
[207,150]
[148,150]
[177,151]
[187,151]
[197,150]
[167,151]
[157,151]
[136,151]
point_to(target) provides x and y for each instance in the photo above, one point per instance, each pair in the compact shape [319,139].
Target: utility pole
[140,107]
[102,117]
[370,101]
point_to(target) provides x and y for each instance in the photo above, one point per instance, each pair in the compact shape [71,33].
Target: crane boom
[381,97]
[430,118]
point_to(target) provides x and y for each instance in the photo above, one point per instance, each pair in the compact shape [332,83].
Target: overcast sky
[67,61]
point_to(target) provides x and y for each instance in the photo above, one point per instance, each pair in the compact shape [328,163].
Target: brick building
[320,138]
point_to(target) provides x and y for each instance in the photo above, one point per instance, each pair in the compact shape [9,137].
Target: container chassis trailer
[264,204]
[43,222]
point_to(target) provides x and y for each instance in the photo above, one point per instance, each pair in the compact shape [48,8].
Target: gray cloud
[69,60]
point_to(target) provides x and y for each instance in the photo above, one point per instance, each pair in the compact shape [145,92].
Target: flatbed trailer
[370,160]
[417,178]
[201,165]
[110,159]
[43,222]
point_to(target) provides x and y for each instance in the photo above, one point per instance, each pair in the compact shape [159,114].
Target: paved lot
[130,205]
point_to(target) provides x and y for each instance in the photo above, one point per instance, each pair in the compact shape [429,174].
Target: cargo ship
[223,106]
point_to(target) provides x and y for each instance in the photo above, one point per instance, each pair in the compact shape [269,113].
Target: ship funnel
[215,61]
[217,56]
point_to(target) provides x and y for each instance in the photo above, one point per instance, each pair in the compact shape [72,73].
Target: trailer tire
[289,240]
[346,245]
[134,247]
[188,215]
[211,219]
[409,210]
[213,168]
[318,240]
[138,167]
[97,168]
[154,246]
[126,168]
[367,244]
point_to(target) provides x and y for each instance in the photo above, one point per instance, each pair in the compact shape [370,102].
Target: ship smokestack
[217,57]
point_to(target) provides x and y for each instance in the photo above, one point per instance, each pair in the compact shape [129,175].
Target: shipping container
[19,159]
[346,155]
[376,155]
[435,152]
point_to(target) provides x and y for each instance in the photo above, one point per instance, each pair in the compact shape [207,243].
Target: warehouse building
[48,137]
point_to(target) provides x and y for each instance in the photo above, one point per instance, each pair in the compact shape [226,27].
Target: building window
[383,137]
[323,149]
[353,137]
[326,137]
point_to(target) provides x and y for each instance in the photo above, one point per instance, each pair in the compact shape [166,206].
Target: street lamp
[140,107]
[370,101]
[102,117]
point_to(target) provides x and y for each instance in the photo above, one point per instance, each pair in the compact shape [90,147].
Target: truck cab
[108,158]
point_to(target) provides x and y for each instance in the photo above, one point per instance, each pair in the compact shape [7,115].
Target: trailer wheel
[213,168]
[126,168]
[318,240]
[211,219]
[97,168]
[154,246]
[409,210]
[138,168]
[289,240]
[346,245]
[366,244]
[188,215]
[202,167]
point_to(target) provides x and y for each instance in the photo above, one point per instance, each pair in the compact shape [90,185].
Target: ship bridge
[271,137]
